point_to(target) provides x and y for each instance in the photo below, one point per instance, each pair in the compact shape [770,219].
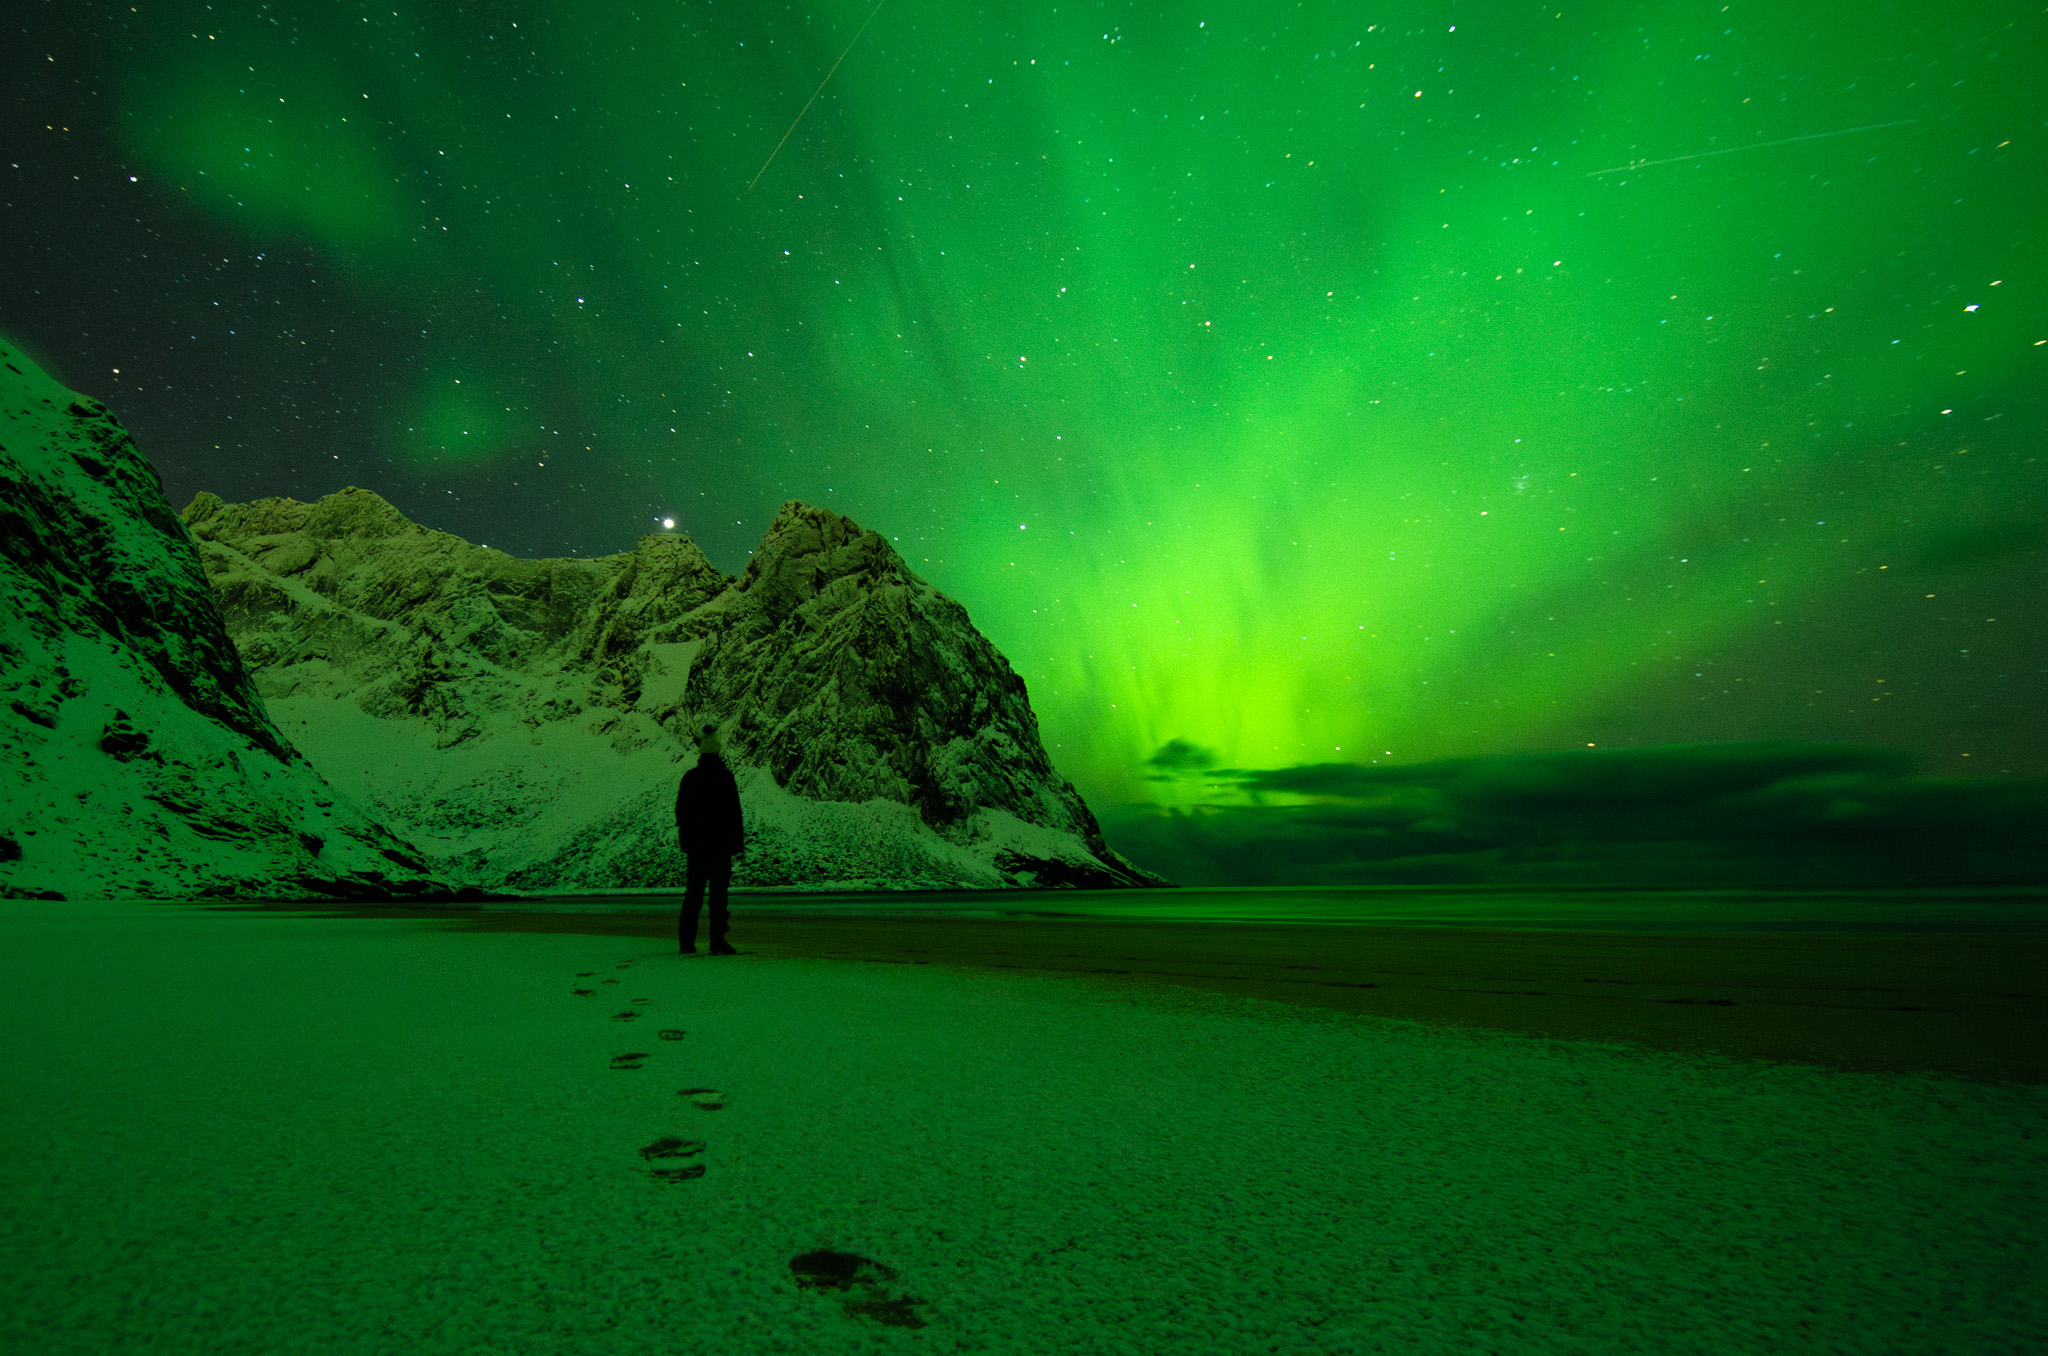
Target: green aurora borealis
[1305,382]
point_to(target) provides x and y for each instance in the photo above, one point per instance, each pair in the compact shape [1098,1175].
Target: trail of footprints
[677,1158]
[664,1152]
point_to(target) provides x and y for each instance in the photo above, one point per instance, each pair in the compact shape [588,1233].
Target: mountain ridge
[881,741]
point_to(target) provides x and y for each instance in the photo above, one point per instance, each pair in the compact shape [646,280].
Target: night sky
[1307,383]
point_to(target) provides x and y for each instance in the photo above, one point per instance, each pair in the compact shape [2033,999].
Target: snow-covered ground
[229,1132]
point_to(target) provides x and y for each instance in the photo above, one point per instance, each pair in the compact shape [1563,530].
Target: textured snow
[135,757]
[256,1133]
[525,722]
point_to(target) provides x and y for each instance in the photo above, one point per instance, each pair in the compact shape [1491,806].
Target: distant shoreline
[2021,911]
[1962,1001]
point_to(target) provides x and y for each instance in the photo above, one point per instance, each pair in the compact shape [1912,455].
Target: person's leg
[693,900]
[720,882]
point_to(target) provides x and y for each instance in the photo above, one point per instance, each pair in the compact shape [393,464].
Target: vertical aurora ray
[1296,385]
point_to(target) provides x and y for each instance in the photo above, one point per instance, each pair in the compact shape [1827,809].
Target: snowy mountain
[135,756]
[525,721]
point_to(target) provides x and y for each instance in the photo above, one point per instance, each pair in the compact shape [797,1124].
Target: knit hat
[708,740]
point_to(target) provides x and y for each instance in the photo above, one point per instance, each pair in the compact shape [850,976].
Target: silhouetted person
[709,831]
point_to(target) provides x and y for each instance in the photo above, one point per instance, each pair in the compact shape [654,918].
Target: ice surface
[256,1132]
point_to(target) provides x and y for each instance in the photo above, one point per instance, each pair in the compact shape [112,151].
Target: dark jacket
[708,809]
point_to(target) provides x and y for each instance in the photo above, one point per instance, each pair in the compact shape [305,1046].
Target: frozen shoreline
[259,1131]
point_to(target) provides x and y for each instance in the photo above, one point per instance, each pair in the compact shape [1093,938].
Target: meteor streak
[1754,145]
[814,96]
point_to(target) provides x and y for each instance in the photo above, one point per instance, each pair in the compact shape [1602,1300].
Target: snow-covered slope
[525,721]
[135,756]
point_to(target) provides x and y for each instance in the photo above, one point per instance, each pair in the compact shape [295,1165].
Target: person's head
[707,738]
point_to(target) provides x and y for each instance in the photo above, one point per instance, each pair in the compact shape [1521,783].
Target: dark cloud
[1708,814]
[1178,757]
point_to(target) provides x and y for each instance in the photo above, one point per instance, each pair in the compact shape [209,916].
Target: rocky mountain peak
[851,678]
[807,549]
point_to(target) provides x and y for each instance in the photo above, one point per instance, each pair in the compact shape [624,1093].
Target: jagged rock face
[851,678]
[525,721]
[139,760]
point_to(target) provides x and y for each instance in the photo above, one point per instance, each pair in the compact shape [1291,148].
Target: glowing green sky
[1308,382]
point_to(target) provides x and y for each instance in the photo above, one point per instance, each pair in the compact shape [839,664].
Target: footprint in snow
[630,1061]
[869,1280]
[705,1099]
[670,1147]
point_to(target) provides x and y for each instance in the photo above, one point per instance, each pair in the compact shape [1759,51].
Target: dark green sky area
[1360,383]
